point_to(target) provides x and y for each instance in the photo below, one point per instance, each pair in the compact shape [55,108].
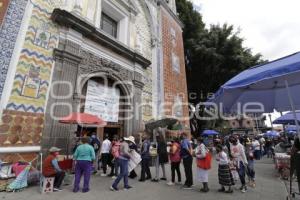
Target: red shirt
[175,156]
[48,169]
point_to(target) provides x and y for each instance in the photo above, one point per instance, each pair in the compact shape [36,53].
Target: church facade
[120,60]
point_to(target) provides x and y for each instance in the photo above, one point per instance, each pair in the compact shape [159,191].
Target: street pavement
[268,187]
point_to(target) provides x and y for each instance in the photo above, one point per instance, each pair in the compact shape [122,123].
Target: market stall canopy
[83,119]
[271,134]
[273,85]
[291,128]
[166,122]
[288,119]
[209,132]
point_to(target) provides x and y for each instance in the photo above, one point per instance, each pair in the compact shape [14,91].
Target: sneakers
[113,177]
[163,179]
[112,188]
[154,180]
[170,183]
[243,189]
[103,175]
[57,190]
[127,187]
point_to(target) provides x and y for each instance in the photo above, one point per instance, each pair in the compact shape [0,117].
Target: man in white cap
[52,169]
[123,160]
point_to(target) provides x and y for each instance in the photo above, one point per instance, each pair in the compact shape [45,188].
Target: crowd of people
[235,157]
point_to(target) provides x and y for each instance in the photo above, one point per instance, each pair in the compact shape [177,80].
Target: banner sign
[102,101]
[135,159]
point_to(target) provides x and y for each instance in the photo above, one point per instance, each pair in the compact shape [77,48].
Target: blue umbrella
[291,128]
[292,132]
[274,85]
[288,119]
[271,134]
[209,132]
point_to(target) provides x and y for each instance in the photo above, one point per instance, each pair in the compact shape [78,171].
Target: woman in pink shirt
[175,161]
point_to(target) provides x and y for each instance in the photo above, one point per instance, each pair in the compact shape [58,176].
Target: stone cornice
[166,6]
[70,20]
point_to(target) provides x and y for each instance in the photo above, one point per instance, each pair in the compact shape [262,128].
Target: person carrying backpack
[96,144]
[175,161]
[115,152]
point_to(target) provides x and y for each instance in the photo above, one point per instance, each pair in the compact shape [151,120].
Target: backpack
[96,144]
[115,150]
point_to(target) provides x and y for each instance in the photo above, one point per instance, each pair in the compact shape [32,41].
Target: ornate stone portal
[76,66]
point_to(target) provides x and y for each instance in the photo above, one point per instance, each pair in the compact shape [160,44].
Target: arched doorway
[106,96]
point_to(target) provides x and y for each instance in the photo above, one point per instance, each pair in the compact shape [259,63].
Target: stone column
[67,60]
[97,16]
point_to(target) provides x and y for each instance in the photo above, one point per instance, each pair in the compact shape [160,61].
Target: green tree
[213,55]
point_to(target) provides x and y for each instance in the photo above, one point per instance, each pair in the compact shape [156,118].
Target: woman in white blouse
[224,173]
[202,174]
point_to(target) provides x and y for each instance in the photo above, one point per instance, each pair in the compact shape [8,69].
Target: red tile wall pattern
[3,8]
[174,82]
[21,128]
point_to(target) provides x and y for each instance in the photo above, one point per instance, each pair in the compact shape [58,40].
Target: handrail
[24,149]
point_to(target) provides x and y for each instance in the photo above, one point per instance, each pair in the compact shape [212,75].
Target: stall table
[282,164]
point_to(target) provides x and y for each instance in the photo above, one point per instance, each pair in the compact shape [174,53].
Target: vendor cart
[282,164]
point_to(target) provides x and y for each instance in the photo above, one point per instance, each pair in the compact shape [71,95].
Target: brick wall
[174,82]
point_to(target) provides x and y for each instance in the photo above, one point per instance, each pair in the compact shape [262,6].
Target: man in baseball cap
[52,169]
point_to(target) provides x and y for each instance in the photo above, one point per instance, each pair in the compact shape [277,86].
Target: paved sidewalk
[269,187]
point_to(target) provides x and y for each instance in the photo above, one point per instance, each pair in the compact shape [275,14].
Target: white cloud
[270,27]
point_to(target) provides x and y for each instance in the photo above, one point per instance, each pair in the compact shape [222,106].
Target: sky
[269,27]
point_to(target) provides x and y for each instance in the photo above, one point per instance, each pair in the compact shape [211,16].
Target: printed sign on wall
[3,9]
[102,101]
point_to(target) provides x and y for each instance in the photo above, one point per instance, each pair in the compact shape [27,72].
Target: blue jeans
[251,171]
[242,173]
[123,173]
[257,154]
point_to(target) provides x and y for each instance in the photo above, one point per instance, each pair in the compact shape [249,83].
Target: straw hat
[54,149]
[130,139]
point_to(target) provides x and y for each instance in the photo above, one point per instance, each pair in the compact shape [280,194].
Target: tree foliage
[213,55]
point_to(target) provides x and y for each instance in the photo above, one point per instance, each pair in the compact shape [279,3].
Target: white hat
[54,149]
[130,139]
